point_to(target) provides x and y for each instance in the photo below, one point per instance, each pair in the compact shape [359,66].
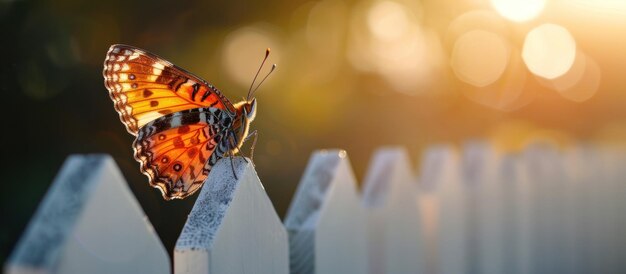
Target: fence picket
[325,221]
[543,171]
[605,189]
[512,219]
[491,213]
[89,222]
[440,173]
[477,167]
[542,210]
[577,165]
[393,214]
[233,227]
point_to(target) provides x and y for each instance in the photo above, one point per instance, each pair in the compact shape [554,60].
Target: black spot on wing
[205,95]
[195,87]
[176,83]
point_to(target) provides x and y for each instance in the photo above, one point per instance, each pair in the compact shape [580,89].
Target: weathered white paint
[325,222]
[393,214]
[85,224]
[233,227]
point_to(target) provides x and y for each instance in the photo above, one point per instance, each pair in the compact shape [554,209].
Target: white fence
[470,210]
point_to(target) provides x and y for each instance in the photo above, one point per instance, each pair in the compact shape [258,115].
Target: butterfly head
[246,111]
[249,109]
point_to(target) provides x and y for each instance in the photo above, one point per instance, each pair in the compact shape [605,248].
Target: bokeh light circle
[486,20]
[324,37]
[549,51]
[480,57]
[570,78]
[243,51]
[388,20]
[580,83]
[509,92]
[588,84]
[387,38]
[519,10]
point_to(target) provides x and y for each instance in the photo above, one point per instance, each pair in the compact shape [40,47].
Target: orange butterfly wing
[144,87]
[178,118]
[177,151]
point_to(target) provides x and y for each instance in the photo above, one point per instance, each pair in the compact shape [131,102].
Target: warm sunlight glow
[243,51]
[605,6]
[570,78]
[480,57]
[511,135]
[409,63]
[588,83]
[549,51]
[555,137]
[613,133]
[388,20]
[580,83]
[325,33]
[386,38]
[519,10]
[509,92]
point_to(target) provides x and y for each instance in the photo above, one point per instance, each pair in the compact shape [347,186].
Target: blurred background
[351,74]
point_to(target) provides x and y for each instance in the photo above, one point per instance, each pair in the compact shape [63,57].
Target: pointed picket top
[233,227]
[441,185]
[393,214]
[325,221]
[389,167]
[89,222]
[440,167]
[478,166]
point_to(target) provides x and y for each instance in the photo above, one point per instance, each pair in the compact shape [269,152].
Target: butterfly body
[183,125]
[246,112]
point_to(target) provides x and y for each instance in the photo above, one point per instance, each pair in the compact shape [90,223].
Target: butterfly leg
[231,141]
[233,145]
[232,164]
[256,134]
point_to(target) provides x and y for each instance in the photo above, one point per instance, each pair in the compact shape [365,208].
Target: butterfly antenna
[267,53]
[268,74]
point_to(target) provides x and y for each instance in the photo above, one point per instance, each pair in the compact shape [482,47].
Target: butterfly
[183,125]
